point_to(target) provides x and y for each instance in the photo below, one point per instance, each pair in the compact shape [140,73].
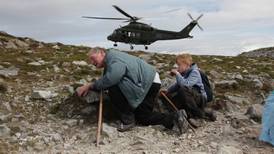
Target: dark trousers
[190,100]
[144,113]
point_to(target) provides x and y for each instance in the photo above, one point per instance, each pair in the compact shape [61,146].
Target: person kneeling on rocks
[132,85]
[189,91]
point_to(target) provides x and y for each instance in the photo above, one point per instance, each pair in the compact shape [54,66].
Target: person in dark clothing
[133,86]
[188,92]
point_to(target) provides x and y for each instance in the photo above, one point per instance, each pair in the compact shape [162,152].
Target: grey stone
[20,43]
[43,94]
[71,122]
[258,83]
[11,45]
[4,118]
[238,77]
[255,112]
[56,137]
[92,97]
[214,74]
[11,71]
[56,47]
[29,51]
[39,146]
[226,83]
[80,63]
[56,69]
[110,131]
[217,60]
[35,64]
[237,99]
[223,149]
[4,131]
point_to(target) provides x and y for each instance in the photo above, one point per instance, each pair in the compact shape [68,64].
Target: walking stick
[176,109]
[100,118]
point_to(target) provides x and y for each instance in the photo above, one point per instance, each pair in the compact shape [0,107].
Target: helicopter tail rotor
[196,20]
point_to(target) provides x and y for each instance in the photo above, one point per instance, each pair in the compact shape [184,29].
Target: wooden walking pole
[176,109]
[100,118]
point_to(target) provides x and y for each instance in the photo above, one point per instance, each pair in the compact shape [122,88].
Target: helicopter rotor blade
[123,12]
[200,27]
[190,16]
[199,17]
[104,18]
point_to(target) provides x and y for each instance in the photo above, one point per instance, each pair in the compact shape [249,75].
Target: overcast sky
[230,26]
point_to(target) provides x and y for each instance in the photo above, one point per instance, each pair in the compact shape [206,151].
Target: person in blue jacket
[188,92]
[267,132]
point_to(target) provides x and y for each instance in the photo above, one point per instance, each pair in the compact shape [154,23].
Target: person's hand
[83,90]
[163,91]
[173,72]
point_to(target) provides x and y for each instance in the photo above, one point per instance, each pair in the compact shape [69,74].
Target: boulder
[11,71]
[226,84]
[214,74]
[43,94]
[11,45]
[110,131]
[4,131]
[237,99]
[258,83]
[255,112]
[20,43]
[56,47]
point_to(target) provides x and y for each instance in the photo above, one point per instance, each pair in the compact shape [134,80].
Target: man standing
[133,86]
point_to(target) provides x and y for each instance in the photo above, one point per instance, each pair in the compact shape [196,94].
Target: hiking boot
[210,115]
[181,121]
[195,122]
[125,127]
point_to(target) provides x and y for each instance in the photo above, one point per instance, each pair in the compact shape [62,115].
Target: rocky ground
[40,114]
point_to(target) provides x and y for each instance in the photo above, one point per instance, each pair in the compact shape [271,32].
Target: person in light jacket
[188,92]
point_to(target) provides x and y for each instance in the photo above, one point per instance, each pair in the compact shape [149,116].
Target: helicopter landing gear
[115,44]
[146,47]
[131,47]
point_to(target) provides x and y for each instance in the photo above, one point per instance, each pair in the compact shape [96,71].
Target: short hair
[95,50]
[184,58]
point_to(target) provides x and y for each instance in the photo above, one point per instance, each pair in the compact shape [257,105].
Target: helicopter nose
[109,37]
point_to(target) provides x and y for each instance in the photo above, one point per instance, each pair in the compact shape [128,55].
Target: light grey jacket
[132,75]
[194,78]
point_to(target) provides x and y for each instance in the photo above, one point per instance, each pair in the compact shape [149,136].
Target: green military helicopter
[143,34]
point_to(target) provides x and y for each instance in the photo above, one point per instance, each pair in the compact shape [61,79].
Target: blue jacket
[267,131]
[194,78]
[131,74]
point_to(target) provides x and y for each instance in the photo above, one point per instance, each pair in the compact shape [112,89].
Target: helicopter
[139,33]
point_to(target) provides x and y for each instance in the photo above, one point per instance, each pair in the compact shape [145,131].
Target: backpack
[206,84]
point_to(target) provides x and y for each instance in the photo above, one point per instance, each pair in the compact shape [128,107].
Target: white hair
[95,50]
